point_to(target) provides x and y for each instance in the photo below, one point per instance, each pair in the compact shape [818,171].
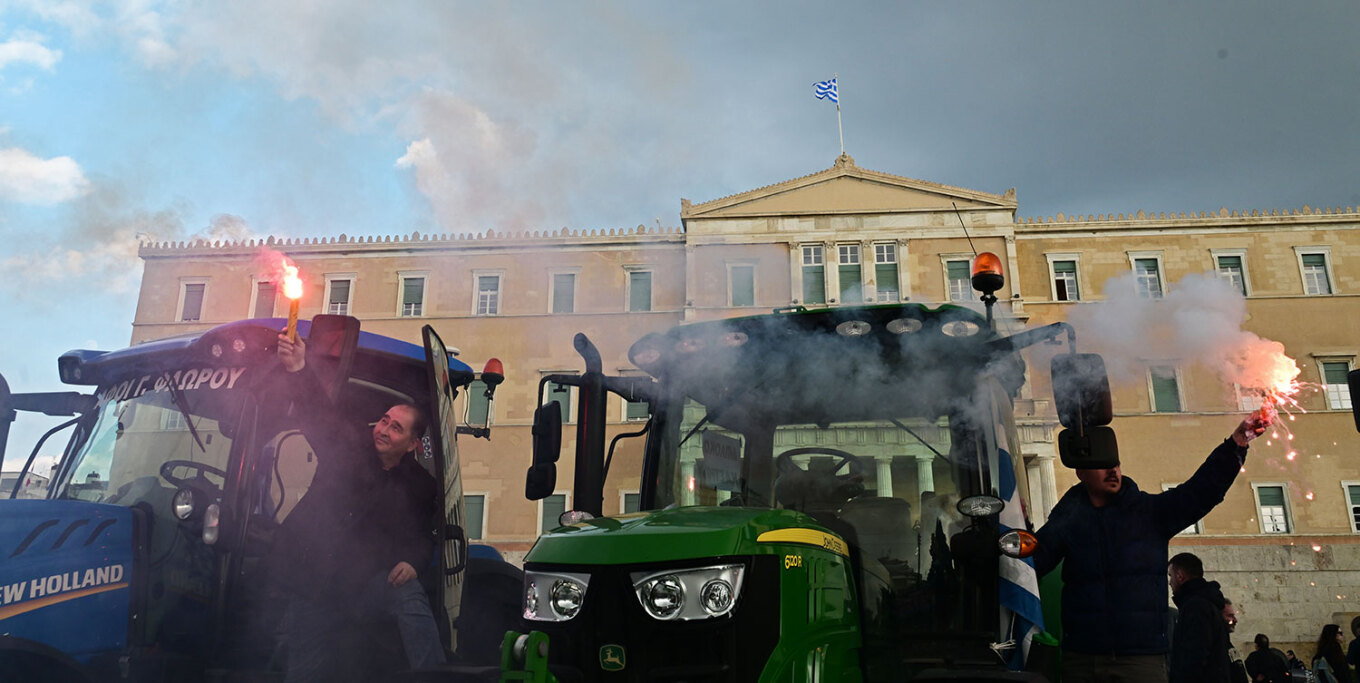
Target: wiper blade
[907,429]
[177,397]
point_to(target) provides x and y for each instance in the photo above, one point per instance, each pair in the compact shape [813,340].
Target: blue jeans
[322,645]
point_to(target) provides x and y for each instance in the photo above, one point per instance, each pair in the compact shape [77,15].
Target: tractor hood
[679,534]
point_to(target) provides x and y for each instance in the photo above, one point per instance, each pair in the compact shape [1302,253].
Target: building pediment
[847,189]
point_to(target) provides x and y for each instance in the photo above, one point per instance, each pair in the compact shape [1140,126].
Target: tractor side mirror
[1081,391]
[541,478]
[1093,448]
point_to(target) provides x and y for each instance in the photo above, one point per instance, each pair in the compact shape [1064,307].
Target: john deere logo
[612,658]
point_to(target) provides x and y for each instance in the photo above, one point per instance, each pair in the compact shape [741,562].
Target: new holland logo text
[27,595]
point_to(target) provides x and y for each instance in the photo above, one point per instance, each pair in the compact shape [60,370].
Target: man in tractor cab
[350,549]
[1114,538]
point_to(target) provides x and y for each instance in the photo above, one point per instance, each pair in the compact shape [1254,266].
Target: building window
[885,273]
[412,296]
[960,280]
[1231,269]
[339,293]
[173,421]
[191,299]
[1272,507]
[847,257]
[1334,380]
[1247,399]
[478,406]
[1316,270]
[488,295]
[563,293]
[1193,529]
[263,304]
[814,275]
[1147,272]
[1065,287]
[741,285]
[474,520]
[630,501]
[634,411]
[1351,489]
[1166,392]
[639,290]
[549,510]
[562,394]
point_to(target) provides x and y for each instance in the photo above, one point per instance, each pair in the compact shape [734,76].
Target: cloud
[95,251]
[465,161]
[28,49]
[27,179]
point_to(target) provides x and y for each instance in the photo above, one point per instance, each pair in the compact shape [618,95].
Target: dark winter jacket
[1268,666]
[1114,575]
[1199,652]
[356,520]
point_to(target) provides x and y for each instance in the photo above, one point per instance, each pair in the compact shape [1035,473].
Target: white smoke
[1199,322]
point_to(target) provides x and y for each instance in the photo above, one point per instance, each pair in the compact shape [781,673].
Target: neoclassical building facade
[1285,543]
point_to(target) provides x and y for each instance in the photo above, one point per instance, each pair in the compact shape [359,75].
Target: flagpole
[839,130]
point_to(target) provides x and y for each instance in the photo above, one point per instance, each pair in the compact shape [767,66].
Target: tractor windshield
[149,435]
[890,486]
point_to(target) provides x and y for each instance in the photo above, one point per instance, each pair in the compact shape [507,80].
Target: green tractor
[827,495]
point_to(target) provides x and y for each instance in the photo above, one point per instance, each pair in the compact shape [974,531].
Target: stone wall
[1287,592]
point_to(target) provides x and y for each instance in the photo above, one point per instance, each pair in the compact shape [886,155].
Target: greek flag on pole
[1021,615]
[826,90]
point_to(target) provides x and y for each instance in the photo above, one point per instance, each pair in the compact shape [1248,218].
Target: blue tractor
[145,560]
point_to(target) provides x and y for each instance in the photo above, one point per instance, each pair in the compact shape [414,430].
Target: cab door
[446,376]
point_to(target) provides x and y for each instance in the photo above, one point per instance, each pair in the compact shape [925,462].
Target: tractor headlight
[662,597]
[554,596]
[664,594]
[566,597]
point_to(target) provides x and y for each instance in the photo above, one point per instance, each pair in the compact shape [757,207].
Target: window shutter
[193,302]
[1271,495]
[553,507]
[264,300]
[886,276]
[1165,397]
[640,291]
[1334,373]
[814,285]
[475,507]
[851,292]
[478,405]
[564,293]
[743,286]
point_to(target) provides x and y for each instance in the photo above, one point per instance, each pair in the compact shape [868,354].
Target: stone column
[1048,484]
[831,272]
[903,272]
[796,273]
[868,279]
[925,472]
[885,485]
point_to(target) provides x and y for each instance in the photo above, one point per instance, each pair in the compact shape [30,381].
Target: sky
[139,119]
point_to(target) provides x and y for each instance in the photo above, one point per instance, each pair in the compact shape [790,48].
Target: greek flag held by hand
[1021,615]
[826,90]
